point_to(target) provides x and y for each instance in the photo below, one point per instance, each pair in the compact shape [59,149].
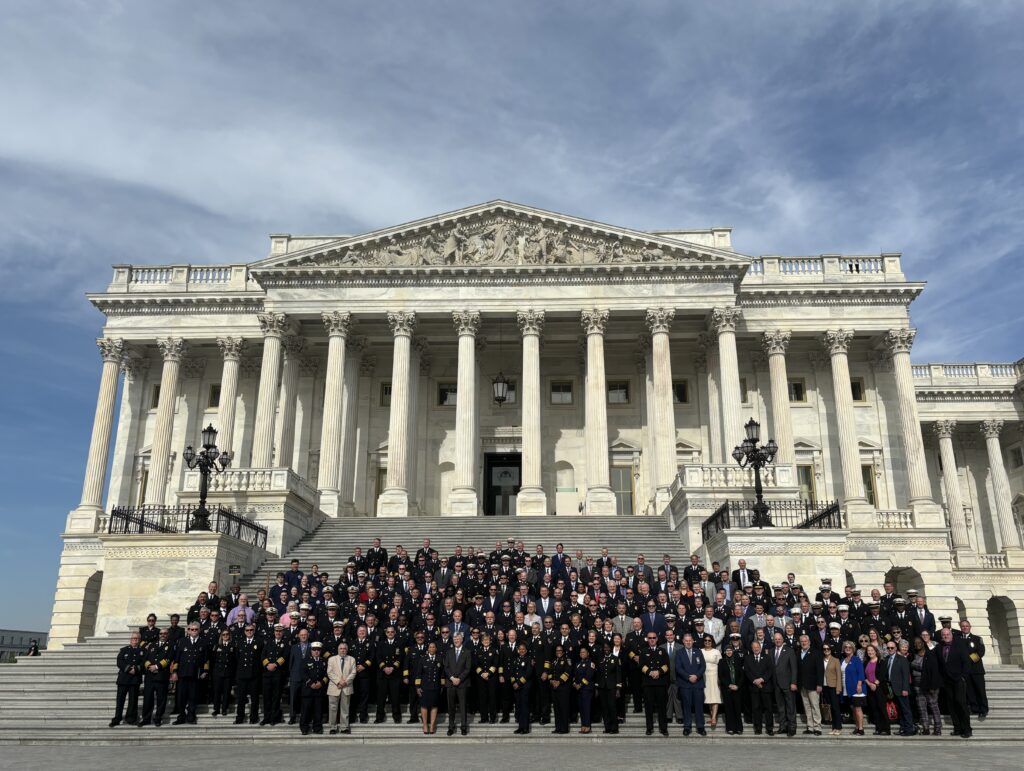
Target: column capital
[466,322]
[837,341]
[337,323]
[724,318]
[293,345]
[171,348]
[402,323]
[135,367]
[530,322]
[594,321]
[640,354]
[944,428]
[193,367]
[111,349]
[659,319]
[368,365]
[775,341]
[231,347]
[991,428]
[273,324]
[900,340]
[308,365]
[355,345]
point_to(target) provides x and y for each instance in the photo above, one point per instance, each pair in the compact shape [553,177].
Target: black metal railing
[799,515]
[137,520]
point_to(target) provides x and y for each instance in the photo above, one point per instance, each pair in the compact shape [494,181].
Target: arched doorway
[1005,631]
[90,604]
[904,578]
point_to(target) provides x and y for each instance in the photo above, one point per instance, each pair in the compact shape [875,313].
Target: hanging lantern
[499,387]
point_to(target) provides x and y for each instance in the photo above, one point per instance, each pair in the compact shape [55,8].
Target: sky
[157,132]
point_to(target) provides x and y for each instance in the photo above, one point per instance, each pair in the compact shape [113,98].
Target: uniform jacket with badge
[130,663]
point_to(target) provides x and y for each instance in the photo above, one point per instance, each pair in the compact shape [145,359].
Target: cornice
[134,305]
[965,394]
[775,295]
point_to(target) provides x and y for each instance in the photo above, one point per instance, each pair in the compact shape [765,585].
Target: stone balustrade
[894,520]
[826,268]
[729,475]
[993,561]
[992,374]
[180,278]
[255,480]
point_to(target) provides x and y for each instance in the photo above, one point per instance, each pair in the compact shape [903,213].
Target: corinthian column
[659,320]
[349,411]
[775,342]
[285,433]
[837,343]
[707,361]
[394,501]
[274,326]
[111,351]
[723,322]
[463,500]
[339,325]
[1000,484]
[531,499]
[600,498]
[231,349]
[173,349]
[899,341]
[951,484]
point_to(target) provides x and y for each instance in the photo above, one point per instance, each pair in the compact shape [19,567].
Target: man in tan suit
[341,673]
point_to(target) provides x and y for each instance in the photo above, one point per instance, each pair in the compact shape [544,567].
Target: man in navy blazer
[297,658]
[690,668]
[653,621]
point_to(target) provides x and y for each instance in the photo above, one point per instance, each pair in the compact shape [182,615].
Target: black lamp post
[207,461]
[749,454]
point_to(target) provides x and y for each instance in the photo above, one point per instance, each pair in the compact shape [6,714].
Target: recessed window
[867,472]
[618,392]
[213,402]
[857,389]
[680,392]
[447,394]
[797,390]
[744,393]
[561,392]
[805,479]
[385,394]
[154,396]
[1016,456]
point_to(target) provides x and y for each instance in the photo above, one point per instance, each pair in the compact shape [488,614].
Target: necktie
[891,660]
[777,652]
[670,650]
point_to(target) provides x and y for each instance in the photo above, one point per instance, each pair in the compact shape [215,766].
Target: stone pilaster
[991,430]
[600,498]
[723,323]
[339,326]
[284,441]
[837,345]
[231,349]
[173,350]
[274,326]
[531,500]
[659,321]
[775,343]
[464,499]
[394,501]
[951,484]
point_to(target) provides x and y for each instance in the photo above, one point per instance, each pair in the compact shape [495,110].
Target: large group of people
[553,638]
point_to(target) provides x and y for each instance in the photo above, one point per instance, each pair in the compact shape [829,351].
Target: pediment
[503,234]
[806,445]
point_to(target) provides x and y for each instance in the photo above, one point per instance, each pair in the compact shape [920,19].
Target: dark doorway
[501,483]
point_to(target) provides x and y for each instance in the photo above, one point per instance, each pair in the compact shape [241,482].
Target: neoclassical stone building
[354,376]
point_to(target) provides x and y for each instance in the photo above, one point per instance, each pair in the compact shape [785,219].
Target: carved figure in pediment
[454,245]
[392,253]
[477,249]
[533,246]
[430,249]
[505,246]
[652,254]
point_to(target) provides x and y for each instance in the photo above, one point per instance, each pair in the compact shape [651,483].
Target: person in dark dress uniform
[130,664]
[609,686]
[521,678]
[157,666]
[427,679]
[583,682]
[977,695]
[190,667]
[560,680]
[486,669]
[313,686]
[653,662]
[389,661]
[362,650]
[247,672]
[273,661]
[150,633]
[222,669]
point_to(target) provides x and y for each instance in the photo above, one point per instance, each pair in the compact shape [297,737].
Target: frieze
[785,549]
[160,552]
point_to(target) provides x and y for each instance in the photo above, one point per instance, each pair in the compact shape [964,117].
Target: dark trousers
[188,692]
[542,698]
[955,692]
[609,709]
[785,709]
[761,706]
[656,703]
[154,695]
[832,699]
[586,701]
[906,714]
[221,693]
[487,698]
[388,689]
[294,700]
[360,698]
[414,704]
[312,710]
[131,694]
[877,698]
[636,687]
[272,698]
[692,700]
[245,689]
[522,700]
[457,705]
[560,700]
[506,693]
[732,706]
[977,696]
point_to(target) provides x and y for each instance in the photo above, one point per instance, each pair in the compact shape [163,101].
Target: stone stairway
[68,697]
[333,542]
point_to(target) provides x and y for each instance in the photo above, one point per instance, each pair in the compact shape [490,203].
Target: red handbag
[891,711]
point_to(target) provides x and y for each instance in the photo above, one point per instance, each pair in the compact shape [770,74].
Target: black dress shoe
[504,718]
[179,720]
[686,732]
[412,720]
[518,731]
[334,731]
[115,723]
[191,721]
[816,733]
[770,732]
[451,730]
[465,730]
[378,720]
[702,732]
[239,720]
[650,732]
[398,720]
[318,730]
[305,732]
[664,733]
[292,721]
[807,731]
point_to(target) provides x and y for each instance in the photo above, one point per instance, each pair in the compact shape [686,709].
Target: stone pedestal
[600,502]
[393,503]
[531,502]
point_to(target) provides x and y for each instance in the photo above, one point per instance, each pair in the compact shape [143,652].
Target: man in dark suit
[458,668]
[924,620]
[955,665]
[810,677]
[977,696]
[129,676]
[642,570]
[759,673]
[376,556]
[740,576]
[653,621]
[786,684]
[297,658]
[690,668]
[897,674]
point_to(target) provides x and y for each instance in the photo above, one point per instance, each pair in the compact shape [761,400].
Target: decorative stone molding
[171,348]
[879,361]
[160,552]
[660,319]
[991,428]
[338,323]
[837,341]
[775,342]
[355,345]
[466,322]
[594,321]
[402,322]
[293,346]
[308,366]
[530,322]
[368,365]
[700,358]
[250,367]
[900,340]
[135,367]
[111,349]
[231,348]
[273,324]
[944,428]
[817,360]
[193,367]
[640,354]
[724,319]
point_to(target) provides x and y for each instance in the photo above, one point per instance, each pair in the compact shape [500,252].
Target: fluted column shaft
[285,444]
[712,401]
[349,412]
[723,321]
[338,326]
[402,325]
[659,321]
[467,323]
[951,484]
[600,498]
[775,344]
[273,325]
[112,351]
[172,348]
[531,323]
[231,349]
[1000,484]
[899,342]
[837,343]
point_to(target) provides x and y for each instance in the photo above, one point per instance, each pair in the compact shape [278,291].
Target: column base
[600,502]
[662,500]
[860,515]
[531,502]
[393,503]
[347,509]
[965,558]
[927,513]
[330,504]
[83,519]
[463,503]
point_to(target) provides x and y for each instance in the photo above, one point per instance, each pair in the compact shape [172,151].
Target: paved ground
[532,752]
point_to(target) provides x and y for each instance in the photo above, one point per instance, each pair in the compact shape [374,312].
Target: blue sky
[158,132]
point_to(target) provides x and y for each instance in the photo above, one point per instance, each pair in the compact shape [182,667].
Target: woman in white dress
[712,693]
